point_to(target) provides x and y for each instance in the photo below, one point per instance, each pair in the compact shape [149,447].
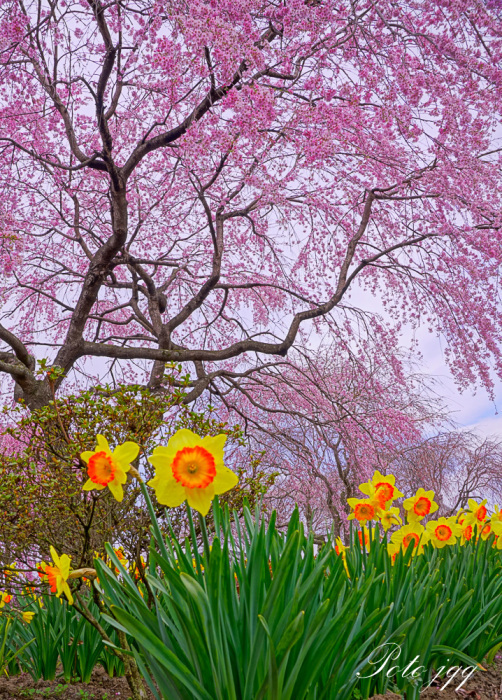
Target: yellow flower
[392,549]
[364,509]
[476,515]
[486,531]
[497,531]
[58,575]
[390,517]
[122,558]
[444,531]
[420,505]
[466,533]
[411,533]
[191,468]
[381,488]
[11,570]
[107,468]
[341,550]
[364,532]
[4,598]
[28,616]
[497,516]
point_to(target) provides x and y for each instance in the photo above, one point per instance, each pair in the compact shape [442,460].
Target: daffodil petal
[184,438]
[90,486]
[66,589]
[120,475]
[117,490]
[54,556]
[215,444]
[162,460]
[85,456]
[102,444]
[224,480]
[199,499]
[64,566]
[169,492]
[126,453]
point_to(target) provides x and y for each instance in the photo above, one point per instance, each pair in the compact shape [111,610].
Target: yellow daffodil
[28,616]
[411,533]
[4,598]
[390,517]
[363,509]
[341,550]
[57,575]
[467,533]
[392,550]
[497,516]
[382,489]
[107,468]
[364,532]
[191,468]
[476,515]
[420,505]
[444,531]
[11,570]
[497,531]
[486,531]
[122,558]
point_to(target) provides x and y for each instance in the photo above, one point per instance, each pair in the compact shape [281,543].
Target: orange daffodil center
[101,468]
[411,534]
[191,468]
[107,468]
[362,509]
[381,489]
[194,467]
[384,492]
[444,531]
[420,505]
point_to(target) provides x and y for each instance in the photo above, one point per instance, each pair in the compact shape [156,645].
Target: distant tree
[457,465]
[325,425]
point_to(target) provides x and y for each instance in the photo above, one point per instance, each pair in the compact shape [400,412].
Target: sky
[472,409]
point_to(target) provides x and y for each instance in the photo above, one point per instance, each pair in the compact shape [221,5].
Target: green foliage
[452,596]
[60,691]
[256,614]
[41,497]
[62,637]
[9,647]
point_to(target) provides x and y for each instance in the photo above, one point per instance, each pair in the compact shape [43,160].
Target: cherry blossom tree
[324,426]
[208,183]
[457,465]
